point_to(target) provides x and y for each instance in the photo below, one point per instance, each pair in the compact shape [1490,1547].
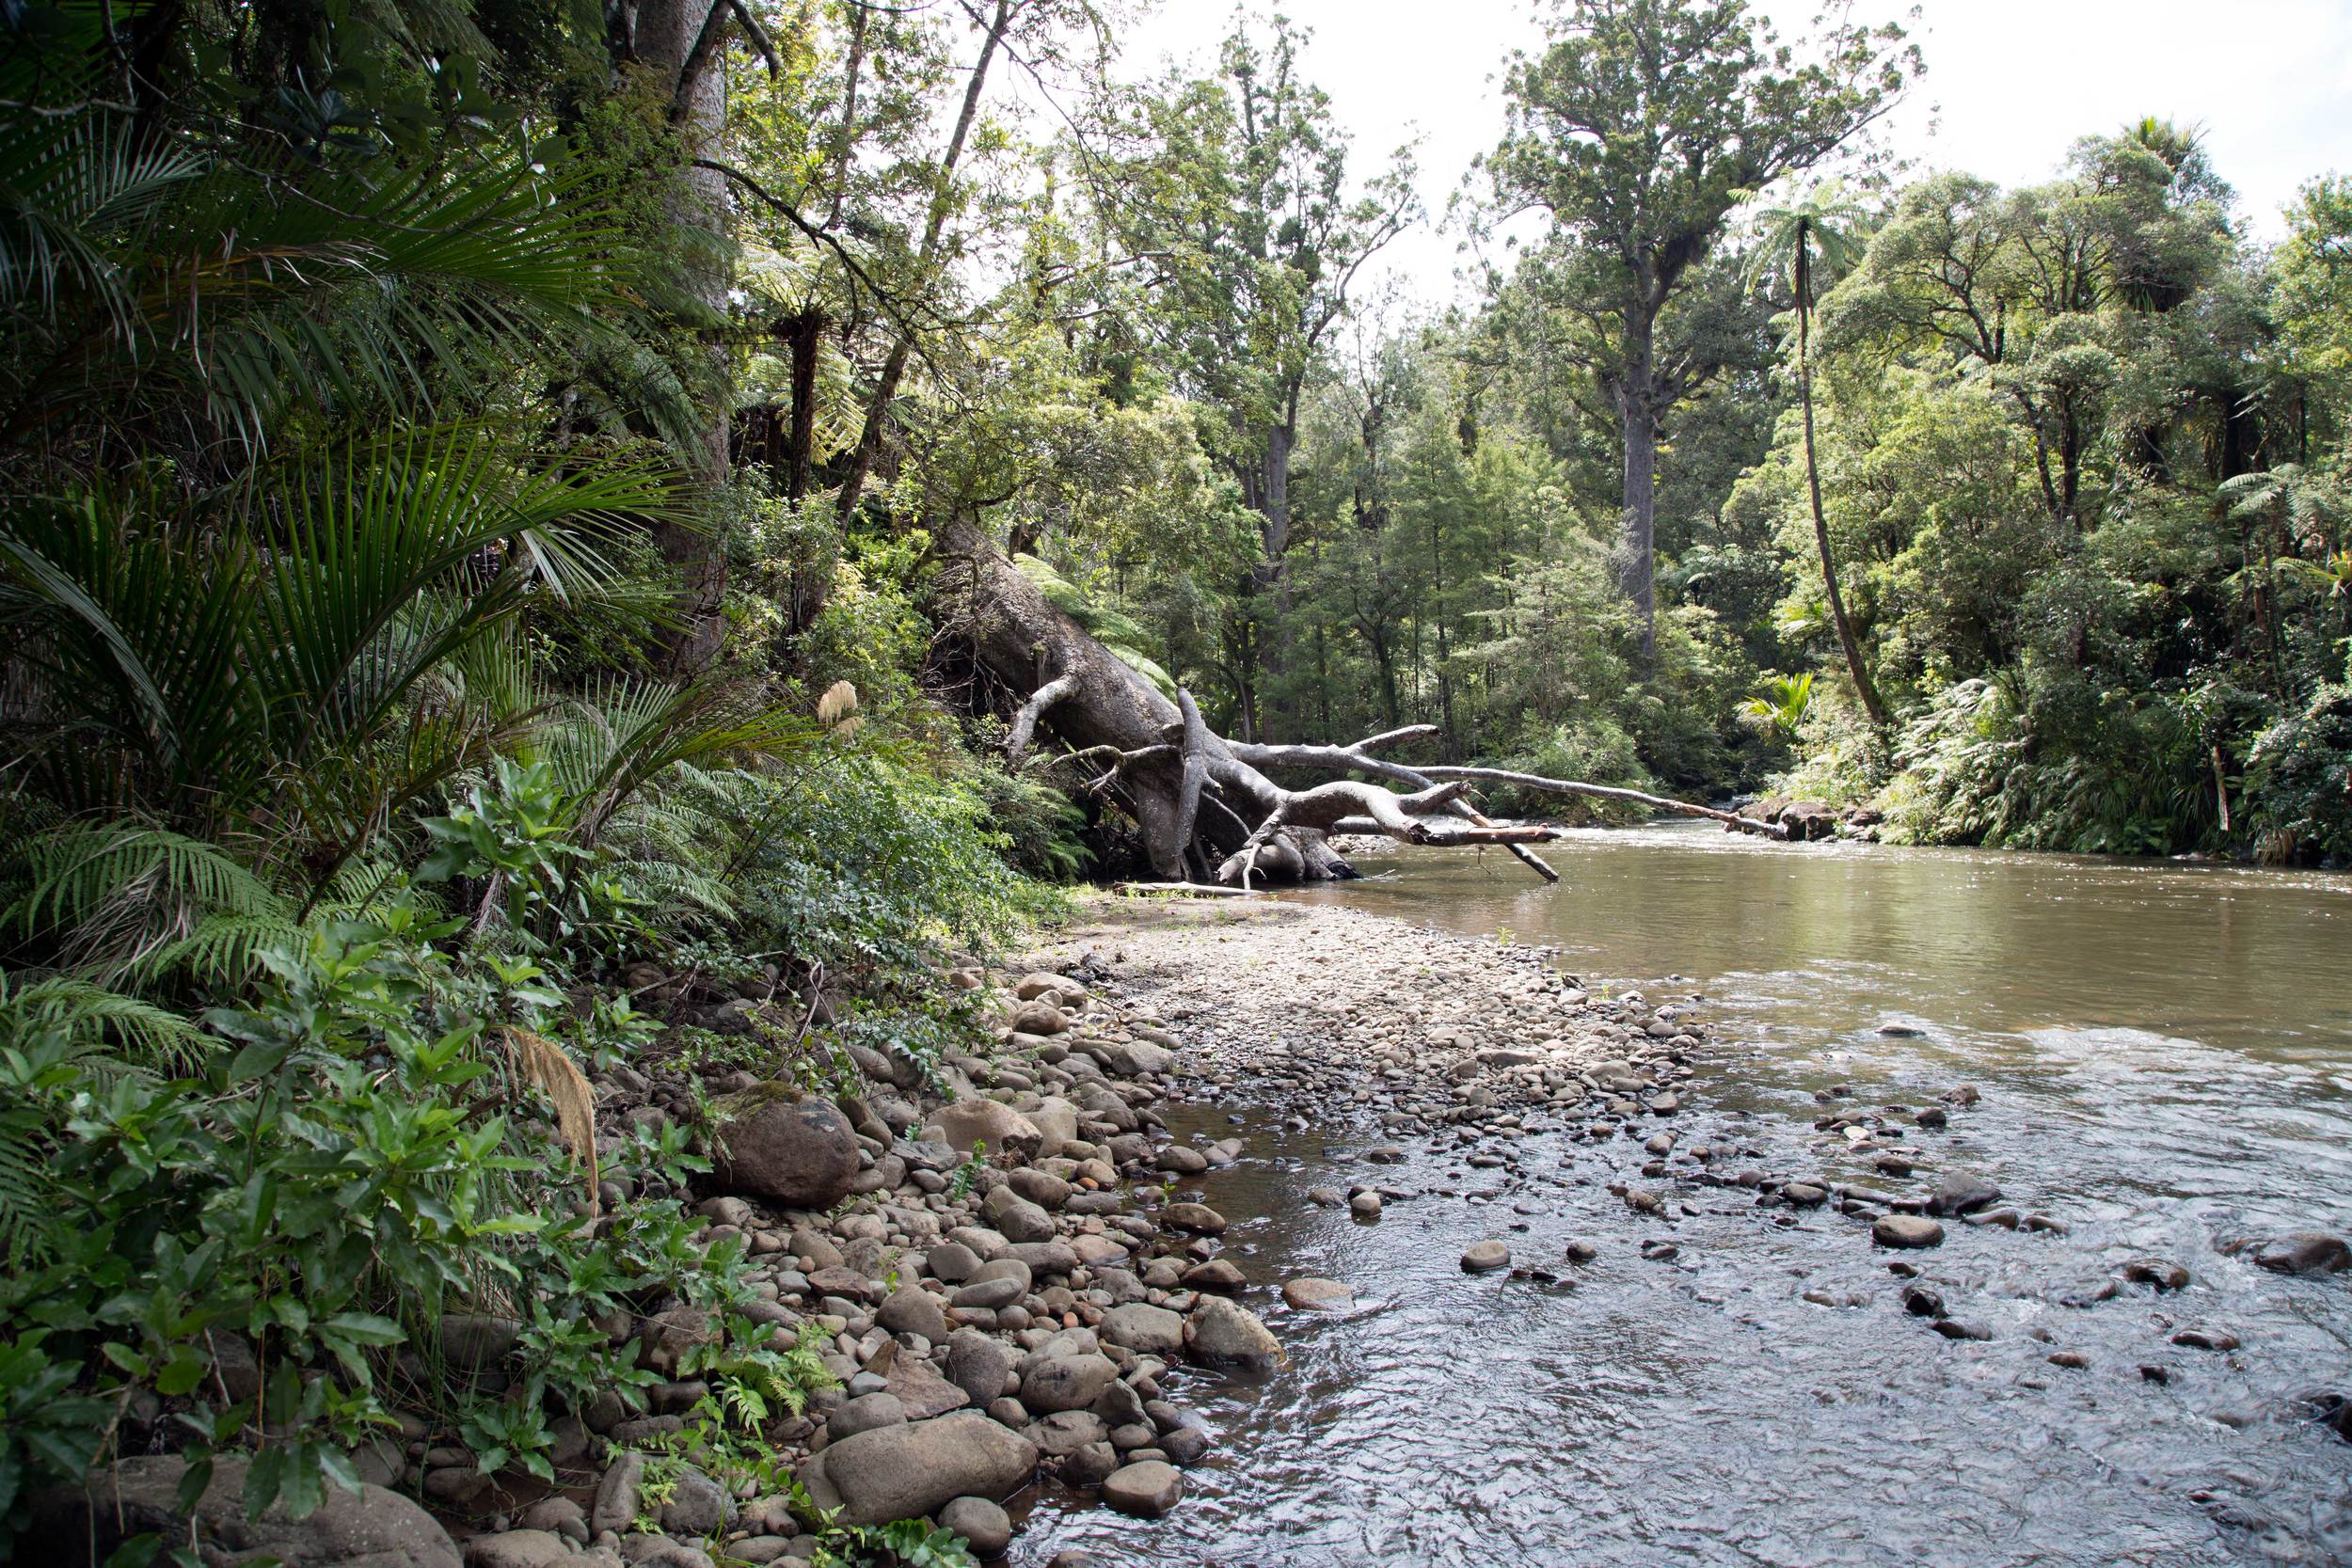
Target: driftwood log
[1207,808]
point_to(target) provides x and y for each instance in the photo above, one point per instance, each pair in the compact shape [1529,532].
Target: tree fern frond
[78,876]
[222,952]
[107,1031]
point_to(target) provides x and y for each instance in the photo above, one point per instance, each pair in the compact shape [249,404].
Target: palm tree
[270,530]
[1817,232]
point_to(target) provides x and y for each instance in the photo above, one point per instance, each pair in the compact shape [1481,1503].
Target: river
[2164,1053]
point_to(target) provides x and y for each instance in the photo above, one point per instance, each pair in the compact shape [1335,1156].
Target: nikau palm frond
[225,666]
[159,287]
[608,746]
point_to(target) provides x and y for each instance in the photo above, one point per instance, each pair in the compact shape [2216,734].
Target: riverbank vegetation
[473,482]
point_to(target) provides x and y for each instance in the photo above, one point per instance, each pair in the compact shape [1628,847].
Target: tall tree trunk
[1264,589]
[1384,659]
[1323,678]
[1274,498]
[1863,685]
[676,40]
[1436,608]
[942,198]
[806,333]
[1636,548]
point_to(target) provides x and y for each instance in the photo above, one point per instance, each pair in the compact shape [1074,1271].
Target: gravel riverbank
[1355,1023]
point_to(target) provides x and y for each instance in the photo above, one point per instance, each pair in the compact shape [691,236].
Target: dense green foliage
[354,759]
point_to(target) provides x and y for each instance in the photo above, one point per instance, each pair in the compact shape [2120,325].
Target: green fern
[117,896]
[109,1031]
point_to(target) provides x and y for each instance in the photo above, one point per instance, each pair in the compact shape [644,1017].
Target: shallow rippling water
[2165,1057]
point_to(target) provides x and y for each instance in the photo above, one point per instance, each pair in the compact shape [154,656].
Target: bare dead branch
[1025,719]
[1608,792]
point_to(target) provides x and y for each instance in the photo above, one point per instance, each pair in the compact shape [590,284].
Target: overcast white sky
[2010,83]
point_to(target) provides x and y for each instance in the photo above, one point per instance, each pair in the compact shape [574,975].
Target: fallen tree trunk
[1205,806]
[1019,644]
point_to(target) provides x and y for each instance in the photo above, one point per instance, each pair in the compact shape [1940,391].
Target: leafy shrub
[2298,782]
[255,1241]
[1594,749]
[2060,767]
[872,869]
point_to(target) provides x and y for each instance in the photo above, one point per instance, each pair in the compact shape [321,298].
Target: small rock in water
[1906,1230]
[982,1523]
[1897,1029]
[1582,1251]
[1962,1193]
[2072,1359]
[1149,1488]
[1920,1302]
[2163,1274]
[2304,1252]
[1365,1205]
[1485,1256]
[1217,1273]
[1952,1328]
[1196,1218]
[2206,1339]
[1222,1333]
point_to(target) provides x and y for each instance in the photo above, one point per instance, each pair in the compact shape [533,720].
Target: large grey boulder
[1224,1332]
[1057,1119]
[1149,1488]
[474,1345]
[920,1388]
[697,1506]
[899,1472]
[1129,1058]
[1017,1219]
[1040,1016]
[1100,1102]
[985,1527]
[967,1122]
[1144,1329]
[1066,1383]
[518,1549]
[617,1495]
[977,1363]
[911,1309]
[367,1529]
[769,1143]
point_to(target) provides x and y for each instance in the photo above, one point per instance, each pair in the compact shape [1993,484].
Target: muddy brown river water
[2165,1055]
